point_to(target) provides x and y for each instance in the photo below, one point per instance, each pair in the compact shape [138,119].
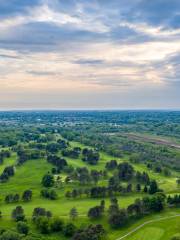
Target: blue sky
[58,54]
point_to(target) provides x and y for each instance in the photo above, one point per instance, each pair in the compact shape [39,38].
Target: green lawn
[162,230]
[8,162]
[29,175]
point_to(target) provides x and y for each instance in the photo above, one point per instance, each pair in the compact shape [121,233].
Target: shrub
[18,214]
[23,228]
[8,235]
[69,230]
[56,225]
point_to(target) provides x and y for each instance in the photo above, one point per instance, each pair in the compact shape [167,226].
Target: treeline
[57,161]
[45,223]
[28,154]
[84,176]
[4,154]
[16,197]
[118,217]
[123,172]
[49,194]
[110,191]
[8,172]
[174,200]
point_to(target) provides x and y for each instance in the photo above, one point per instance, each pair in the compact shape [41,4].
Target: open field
[155,140]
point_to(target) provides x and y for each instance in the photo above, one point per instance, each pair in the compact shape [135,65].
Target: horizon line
[87,109]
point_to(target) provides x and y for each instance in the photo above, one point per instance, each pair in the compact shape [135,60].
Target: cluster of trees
[97,211]
[111,165]
[94,192]
[158,168]
[63,144]
[55,147]
[112,189]
[9,235]
[4,154]
[13,198]
[126,172]
[120,217]
[96,232]
[52,147]
[40,212]
[117,146]
[7,173]
[18,214]
[57,161]
[156,157]
[72,153]
[174,200]
[84,176]
[8,137]
[28,154]
[46,224]
[53,225]
[90,156]
[49,194]
[22,228]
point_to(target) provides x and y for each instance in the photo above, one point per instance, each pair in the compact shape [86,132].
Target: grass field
[29,175]
[158,230]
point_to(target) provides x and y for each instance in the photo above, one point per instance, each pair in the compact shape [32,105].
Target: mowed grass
[29,176]
[160,229]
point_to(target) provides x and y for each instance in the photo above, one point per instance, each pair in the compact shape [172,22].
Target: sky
[89,54]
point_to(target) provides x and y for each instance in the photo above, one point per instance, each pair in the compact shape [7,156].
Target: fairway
[149,233]
[162,230]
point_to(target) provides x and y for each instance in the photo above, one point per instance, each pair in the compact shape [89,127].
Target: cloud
[42,73]
[89,61]
[9,56]
[87,46]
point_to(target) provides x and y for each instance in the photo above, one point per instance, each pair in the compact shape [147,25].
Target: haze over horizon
[81,54]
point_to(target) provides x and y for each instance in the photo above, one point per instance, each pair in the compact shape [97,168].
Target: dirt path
[144,224]
[153,140]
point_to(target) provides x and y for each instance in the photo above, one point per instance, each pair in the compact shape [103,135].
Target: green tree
[56,225]
[69,230]
[22,228]
[18,214]
[48,180]
[118,219]
[43,224]
[153,188]
[73,213]
[8,235]
[178,182]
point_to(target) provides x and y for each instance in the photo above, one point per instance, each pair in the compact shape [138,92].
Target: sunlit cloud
[85,48]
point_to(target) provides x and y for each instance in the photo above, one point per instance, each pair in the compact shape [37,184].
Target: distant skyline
[90,54]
